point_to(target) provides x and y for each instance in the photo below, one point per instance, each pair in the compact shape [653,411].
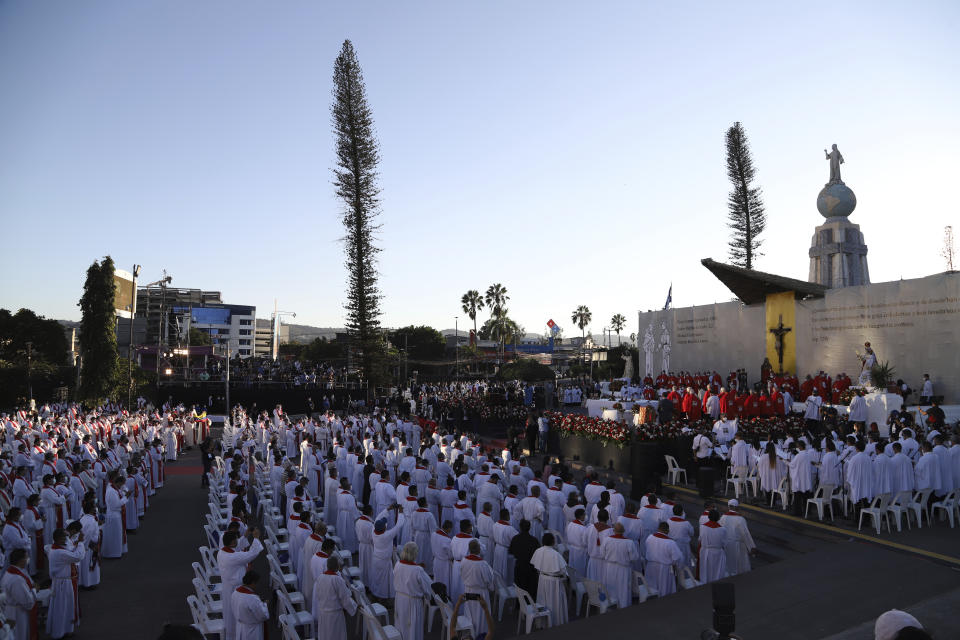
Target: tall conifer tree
[98,338]
[355,177]
[746,219]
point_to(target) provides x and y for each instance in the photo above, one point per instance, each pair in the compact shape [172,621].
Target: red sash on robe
[35,611]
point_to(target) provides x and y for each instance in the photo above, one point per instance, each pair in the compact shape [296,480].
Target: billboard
[125,299]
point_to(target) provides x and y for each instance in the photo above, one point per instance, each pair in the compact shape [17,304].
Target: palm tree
[472,302]
[582,317]
[618,322]
[496,298]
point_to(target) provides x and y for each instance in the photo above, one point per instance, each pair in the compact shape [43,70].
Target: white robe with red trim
[251,612]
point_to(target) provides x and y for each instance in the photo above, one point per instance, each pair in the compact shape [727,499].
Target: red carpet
[174,469]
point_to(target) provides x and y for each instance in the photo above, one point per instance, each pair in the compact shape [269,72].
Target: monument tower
[838,255]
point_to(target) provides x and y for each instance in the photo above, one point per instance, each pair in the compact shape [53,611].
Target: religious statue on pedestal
[649,346]
[835,161]
[867,361]
[665,346]
[627,364]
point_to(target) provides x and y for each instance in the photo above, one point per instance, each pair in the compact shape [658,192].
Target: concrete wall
[913,324]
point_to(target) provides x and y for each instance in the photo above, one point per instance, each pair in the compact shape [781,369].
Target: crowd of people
[73,483]
[381,509]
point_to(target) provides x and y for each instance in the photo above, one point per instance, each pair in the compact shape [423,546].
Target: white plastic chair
[641,588]
[502,594]
[900,506]
[753,481]
[277,572]
[674,471]
[214,608]
[446,611]
[373,628]
[823,498]
[596,597]
[949,505]
[922,499]
[201,573]
[213,539]
[686,579]
[877,512]
[783,490]
[209,562]
[288,628]
[378,610]
[299,618]
[529,612]
[206,625]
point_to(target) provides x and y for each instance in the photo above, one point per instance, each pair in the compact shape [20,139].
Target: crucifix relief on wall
[779,332]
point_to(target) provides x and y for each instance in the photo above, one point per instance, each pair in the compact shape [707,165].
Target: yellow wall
[777,304]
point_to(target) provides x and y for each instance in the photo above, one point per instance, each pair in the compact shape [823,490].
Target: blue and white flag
[669,298]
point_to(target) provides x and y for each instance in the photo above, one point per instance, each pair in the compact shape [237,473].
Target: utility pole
[227,383]
[133,311]
[29,381]
[456,346]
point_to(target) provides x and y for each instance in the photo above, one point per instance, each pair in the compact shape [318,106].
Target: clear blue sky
[571,151]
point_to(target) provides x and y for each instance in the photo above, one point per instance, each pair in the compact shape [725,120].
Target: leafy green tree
[48,343]
[502,329]
[746,218]
[421,342]
[323,350]
[496,299]
[355,177]
[527,370]
[618,322]
[472,302]
[98,338]
[199,337]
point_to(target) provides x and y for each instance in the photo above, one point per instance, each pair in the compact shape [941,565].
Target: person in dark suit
[522,547]
[665,410]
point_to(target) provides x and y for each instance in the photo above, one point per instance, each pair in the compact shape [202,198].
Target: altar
[596,408]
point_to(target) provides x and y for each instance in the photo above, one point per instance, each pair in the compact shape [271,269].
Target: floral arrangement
[847,395]
[619,433]
[617,406]
[616,385]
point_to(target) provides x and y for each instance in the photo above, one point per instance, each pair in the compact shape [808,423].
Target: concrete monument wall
[913,324]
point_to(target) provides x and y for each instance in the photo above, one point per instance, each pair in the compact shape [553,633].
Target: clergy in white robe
[859,475]
[946,473]
[882,473]
[650,515]
[593,540]
[830,468]
[662,555]
[414,591]
[250,611]
[555,501]
[347,514]
[681,532]
[459,549]
[551,590]
[311,546]
[114,542]
[927,470]
[423,524]
[90,567]
[620,553]
[331,489]
[331,598]
[576,534]
[14,535]
[901,470]
[232,565]
[381,570]
[503,533]
[364,529]
[63,612]
[476,577]
[739,542]
[442,556]
[713,554]
[20,595]
[531,509]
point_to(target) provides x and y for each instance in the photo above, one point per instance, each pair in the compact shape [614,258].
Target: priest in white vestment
[364,529]
[663,554]
[576,534]
[503,533]
[739,543]
[423,524]
[442,557]
[620,553]
[927,471]
[20,606]
[681,532]
[331,598]
[233,565]
[859,475]
[381,570]
[551,591]
[63,612]
[347,514]
[713,554]
[414,591]
[250,611]
[477,578]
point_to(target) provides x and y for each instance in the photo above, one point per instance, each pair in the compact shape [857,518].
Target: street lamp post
[133,311]
[456,346]
[275,322]
[29,381]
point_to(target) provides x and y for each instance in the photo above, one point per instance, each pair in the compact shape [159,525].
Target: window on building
[246,323]
[244,332]
[244,352]
[245,342]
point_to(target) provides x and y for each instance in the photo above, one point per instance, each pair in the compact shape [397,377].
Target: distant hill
[70,324]
[303,333]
